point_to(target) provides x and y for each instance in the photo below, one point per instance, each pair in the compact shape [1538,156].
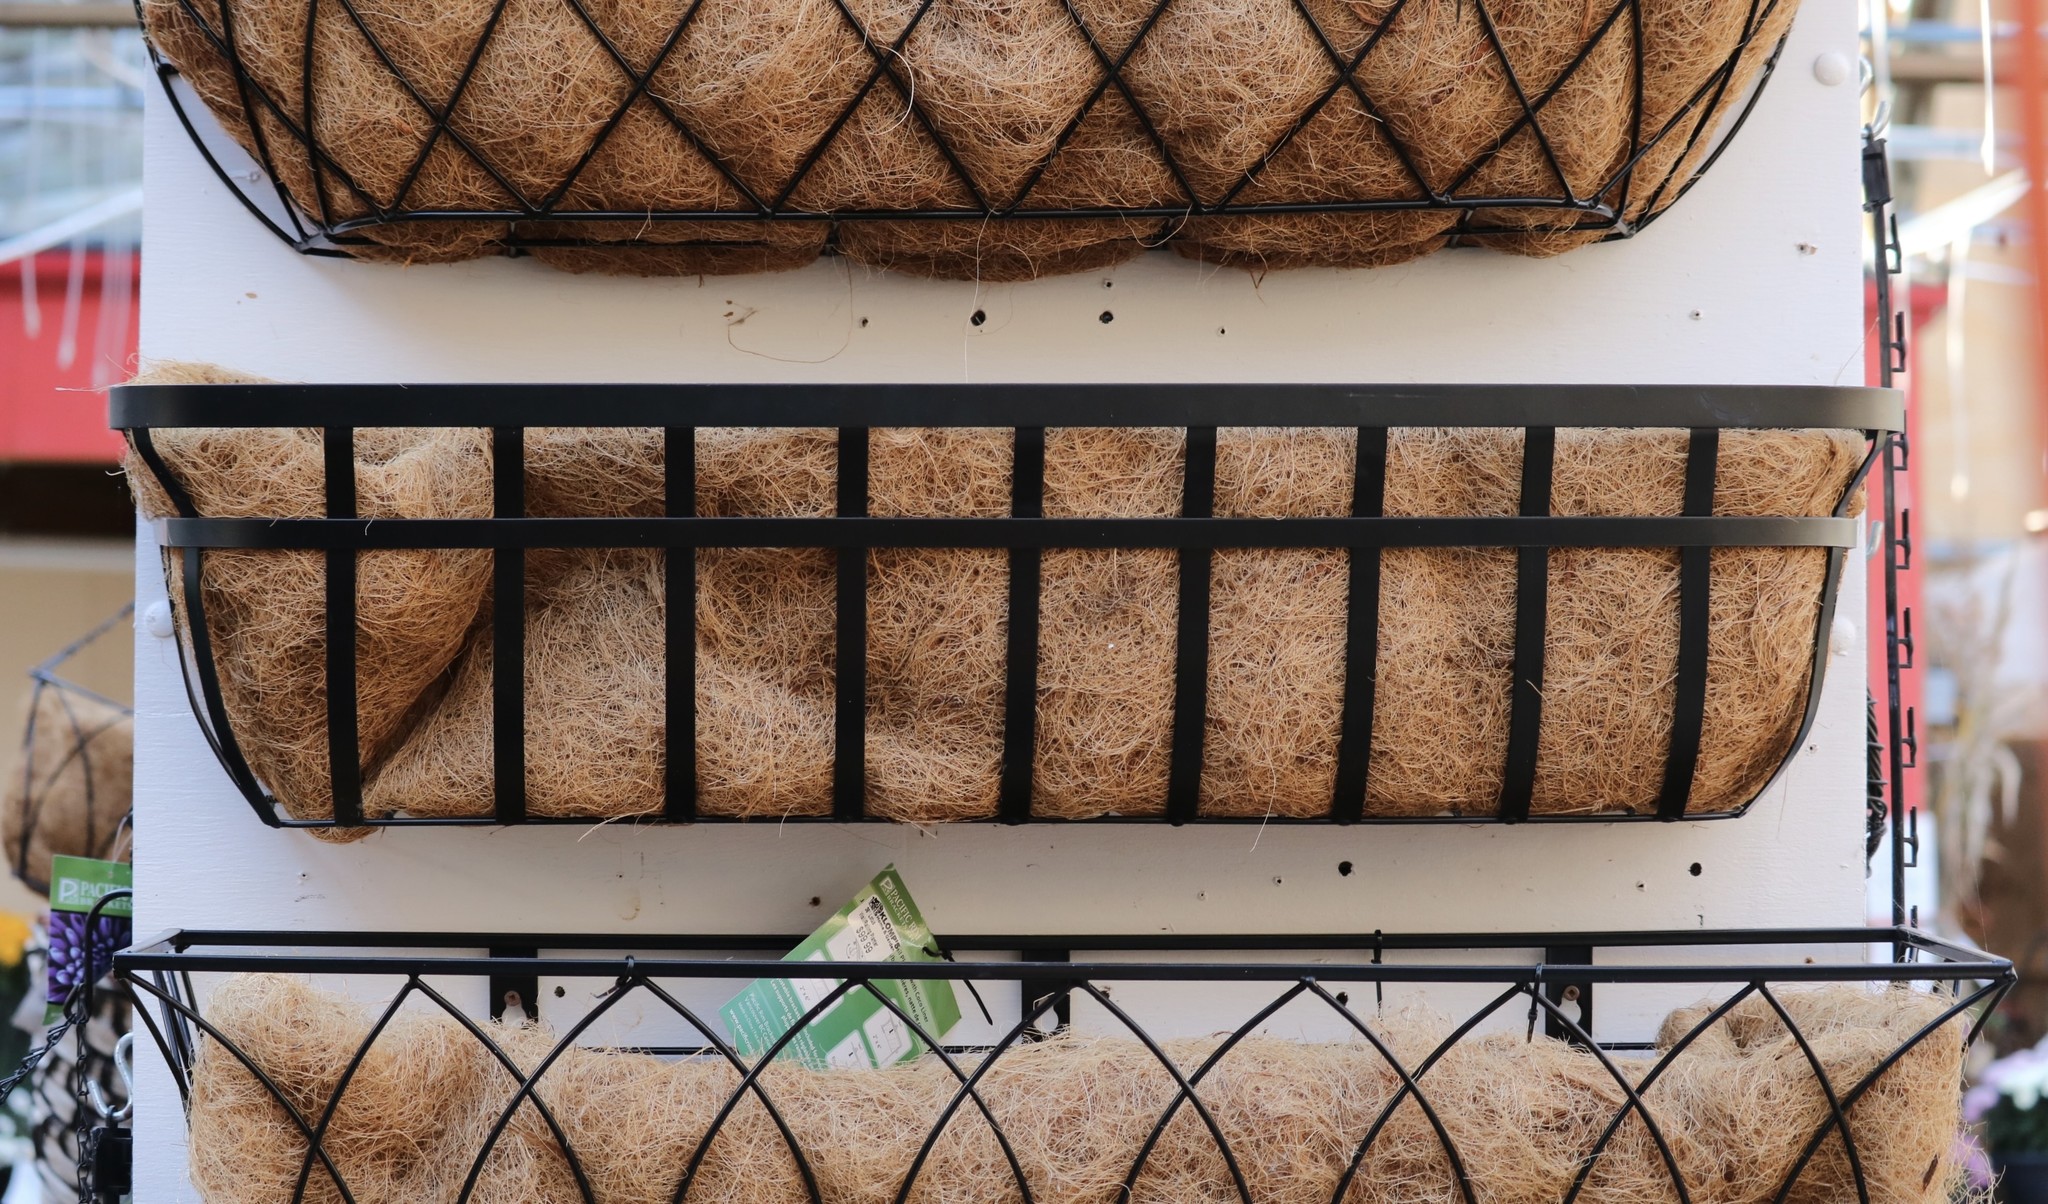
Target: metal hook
[124,1065]
[947,955]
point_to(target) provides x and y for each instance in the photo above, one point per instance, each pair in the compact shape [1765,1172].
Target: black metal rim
[524,404]
[346,952]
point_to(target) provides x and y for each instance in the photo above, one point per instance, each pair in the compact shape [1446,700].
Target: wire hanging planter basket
[1576,1067]
[974,139]
[72,790]
[1014,603]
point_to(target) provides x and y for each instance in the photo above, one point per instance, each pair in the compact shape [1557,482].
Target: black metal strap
[1007,405]
[519,989]
[343,755]
[1560,994]
[166,480]
[679,585]
[1588,531]
[1036,989]
[1532,604]
[850,673]
[1191,641]
[508,630]
[1824,622]
[1020,678]
[1695,583]
[214,727]
[1361,634]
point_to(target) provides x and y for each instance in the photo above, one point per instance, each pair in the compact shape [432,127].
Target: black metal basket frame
[1558,991]
[1027,410]
[1604,208]
[47,676]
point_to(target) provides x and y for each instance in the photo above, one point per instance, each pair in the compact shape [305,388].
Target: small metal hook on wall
[124,1065]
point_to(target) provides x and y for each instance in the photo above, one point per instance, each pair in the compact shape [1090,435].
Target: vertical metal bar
[1361,635]
[508,630]
[1020,674]
[1191,643]
[1695,593]
[1561,994]
[1031,990]
[1532,606]
[850,680]
[344,758]
[679,572]
[509,991]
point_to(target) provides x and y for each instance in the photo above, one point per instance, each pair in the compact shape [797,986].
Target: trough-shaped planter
[977,139]
[1744,1067]
[932,603]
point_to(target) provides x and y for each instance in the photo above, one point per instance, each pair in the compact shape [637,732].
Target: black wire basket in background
[72,789]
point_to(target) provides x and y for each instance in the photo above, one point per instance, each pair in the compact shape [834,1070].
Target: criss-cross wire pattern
[76,751]
[1682,144]
[1967,985]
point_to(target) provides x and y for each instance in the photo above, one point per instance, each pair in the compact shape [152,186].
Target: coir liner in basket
[932,603]
[1478,1080]
[983,139]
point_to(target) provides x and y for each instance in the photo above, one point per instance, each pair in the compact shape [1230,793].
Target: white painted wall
[1755,277]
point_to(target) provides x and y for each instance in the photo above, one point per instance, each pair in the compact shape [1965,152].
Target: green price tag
[880,924]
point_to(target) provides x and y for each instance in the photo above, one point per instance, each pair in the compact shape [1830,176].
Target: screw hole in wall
[978,318]
[1107,317]
[1343,869]
[1344,997]
[1694,869]
[560,992]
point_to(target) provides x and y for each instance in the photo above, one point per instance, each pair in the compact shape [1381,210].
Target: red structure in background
[52,407]
[1922,303]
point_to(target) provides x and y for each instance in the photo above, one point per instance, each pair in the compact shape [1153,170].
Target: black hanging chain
[105,1149]
[1876,811]
[77,1007]
[51,1040]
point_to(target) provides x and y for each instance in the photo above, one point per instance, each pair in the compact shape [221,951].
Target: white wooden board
[1754,278]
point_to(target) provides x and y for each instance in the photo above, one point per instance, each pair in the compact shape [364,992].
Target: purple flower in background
[1969,1154]
[2007,1103]
[70,943]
